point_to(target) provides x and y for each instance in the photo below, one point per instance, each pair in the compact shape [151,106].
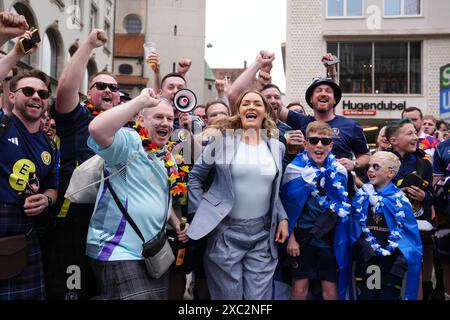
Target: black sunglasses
[315,140]
[103,85]
[29,92]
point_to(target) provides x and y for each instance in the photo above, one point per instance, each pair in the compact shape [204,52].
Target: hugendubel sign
[370,109]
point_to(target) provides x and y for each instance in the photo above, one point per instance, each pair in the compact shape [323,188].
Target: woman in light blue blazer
[241,211]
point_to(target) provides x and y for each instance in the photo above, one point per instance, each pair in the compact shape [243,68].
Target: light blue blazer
[211,208]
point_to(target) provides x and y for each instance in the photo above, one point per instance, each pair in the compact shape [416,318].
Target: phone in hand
[333,60]
[27,44]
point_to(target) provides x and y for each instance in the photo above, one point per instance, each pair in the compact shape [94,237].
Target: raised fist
[97,38]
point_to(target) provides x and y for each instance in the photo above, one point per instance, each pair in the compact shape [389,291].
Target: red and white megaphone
[185,101]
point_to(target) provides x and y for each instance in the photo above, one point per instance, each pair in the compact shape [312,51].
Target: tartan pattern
[28,285]
[128,280]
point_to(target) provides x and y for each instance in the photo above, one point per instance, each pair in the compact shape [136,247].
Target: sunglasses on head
[103,85]
[29,92]
[315,140]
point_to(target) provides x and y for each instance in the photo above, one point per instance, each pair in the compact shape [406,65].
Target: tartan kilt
[128,280]
[29,284]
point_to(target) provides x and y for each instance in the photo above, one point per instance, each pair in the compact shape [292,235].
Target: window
[379,67]
[345,8]
[93,18]
[175,30]
[50,53]
[402,7]
[133,24]
[125,69]
[108,34]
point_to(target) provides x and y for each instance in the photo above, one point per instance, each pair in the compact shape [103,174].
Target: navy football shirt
[348,135]
[24,156]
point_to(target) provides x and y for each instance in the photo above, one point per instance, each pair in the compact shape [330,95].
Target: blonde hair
[429,117]
[234,122]
[319,127]
[391,160]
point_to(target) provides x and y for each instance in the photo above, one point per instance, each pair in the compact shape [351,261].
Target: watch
[50,202]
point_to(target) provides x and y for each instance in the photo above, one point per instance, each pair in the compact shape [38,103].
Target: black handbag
[157,253]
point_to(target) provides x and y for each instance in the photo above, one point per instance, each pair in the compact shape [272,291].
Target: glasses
[376,167]
[29,92]
[53,126]
[103,85]
[315,141]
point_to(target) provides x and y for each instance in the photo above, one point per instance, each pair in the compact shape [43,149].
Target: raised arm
[13,57]
[11,26]
[74,71]
[105,125]
[331,70]
[245,80]
[183,66]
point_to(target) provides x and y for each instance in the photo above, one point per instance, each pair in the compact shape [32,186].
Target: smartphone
[27,44]
[333,60]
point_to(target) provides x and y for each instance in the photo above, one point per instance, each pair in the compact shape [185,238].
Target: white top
[253,170]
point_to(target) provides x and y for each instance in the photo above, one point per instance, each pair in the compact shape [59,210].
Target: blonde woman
[241,211]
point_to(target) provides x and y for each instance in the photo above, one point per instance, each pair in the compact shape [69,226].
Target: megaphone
[185,101]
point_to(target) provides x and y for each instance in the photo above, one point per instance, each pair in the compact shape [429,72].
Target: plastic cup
[149,47]
[292,148]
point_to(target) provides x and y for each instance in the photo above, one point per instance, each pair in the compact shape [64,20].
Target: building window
[133,24]
[108,34]
[175,30]
[402,7]
[345,8]
[93,18]
[126,69]
[379,67]
[50,54]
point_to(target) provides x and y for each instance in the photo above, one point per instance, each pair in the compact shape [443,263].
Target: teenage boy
[385,236]
[315,198]
[415,179]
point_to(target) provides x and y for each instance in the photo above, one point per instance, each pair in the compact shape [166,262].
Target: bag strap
[125,212]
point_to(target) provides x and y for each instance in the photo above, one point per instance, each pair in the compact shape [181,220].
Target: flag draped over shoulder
[394,204]
[300,182]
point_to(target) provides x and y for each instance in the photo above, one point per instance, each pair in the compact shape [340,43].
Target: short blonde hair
[429,117]
[319,127]
[392,161]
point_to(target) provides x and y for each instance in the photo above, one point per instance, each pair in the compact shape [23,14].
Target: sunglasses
[29,92]
[103,85]
[376,167]
[315,141]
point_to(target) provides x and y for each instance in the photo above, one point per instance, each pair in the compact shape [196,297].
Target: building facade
[390,53]
[62,25]
[177,27]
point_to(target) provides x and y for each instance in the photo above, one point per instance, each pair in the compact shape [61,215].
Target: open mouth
[34,106]
[319,153]
[251,116]
[162,133]
[323,100]
[371,176]
[107,99]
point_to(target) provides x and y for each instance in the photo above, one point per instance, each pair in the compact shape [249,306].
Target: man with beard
[66,241]
[28,183]
[348,137]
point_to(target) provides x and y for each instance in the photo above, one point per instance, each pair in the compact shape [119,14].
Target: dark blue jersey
[26,158]
[348,135]
[441,159]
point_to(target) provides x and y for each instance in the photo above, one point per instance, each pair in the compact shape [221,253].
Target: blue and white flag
[300,182]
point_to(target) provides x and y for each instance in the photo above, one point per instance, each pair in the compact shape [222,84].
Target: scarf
[404,233]
[300,182]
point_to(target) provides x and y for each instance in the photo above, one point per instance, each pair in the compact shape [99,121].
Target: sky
[239,29]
